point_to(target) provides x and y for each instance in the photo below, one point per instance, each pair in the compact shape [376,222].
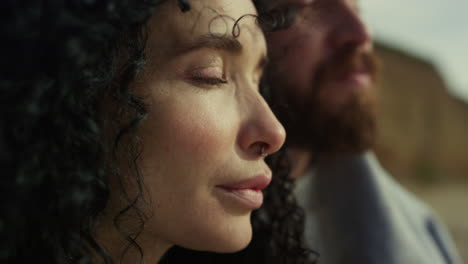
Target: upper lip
[352,69]
[256,183]
[362,72]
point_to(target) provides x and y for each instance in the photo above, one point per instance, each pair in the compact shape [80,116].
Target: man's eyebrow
[217,42]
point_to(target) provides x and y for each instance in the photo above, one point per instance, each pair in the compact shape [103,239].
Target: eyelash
[209,80]
[199,77]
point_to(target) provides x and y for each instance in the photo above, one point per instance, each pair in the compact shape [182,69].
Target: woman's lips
[247,198]
[247,193]
[255,183]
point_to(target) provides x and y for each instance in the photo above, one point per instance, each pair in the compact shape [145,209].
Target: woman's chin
[229,238]
[234,243]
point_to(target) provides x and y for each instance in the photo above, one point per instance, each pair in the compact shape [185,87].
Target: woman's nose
[261,133]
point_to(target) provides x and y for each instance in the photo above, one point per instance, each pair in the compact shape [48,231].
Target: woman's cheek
[208,129]
[199,126]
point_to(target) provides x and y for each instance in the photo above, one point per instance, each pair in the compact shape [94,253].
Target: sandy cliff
[423,130]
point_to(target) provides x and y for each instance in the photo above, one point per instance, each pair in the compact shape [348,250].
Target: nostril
[263,152]
[260,149]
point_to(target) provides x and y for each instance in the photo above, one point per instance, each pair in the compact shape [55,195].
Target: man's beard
[313,124]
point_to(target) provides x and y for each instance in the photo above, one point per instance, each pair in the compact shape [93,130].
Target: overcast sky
[434,29]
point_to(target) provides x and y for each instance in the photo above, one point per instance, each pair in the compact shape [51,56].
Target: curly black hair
[60,61]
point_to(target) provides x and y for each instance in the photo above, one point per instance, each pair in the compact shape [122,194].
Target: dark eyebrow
[220,42]
[217,42]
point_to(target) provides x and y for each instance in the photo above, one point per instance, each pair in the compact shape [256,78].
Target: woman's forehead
[209,16]
[172,29]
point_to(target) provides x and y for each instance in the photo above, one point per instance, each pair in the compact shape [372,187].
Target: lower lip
[358,80]
[247,198]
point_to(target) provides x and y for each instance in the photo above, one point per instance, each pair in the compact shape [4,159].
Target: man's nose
[348,29]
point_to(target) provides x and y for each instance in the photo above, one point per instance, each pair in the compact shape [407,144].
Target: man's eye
[279,18]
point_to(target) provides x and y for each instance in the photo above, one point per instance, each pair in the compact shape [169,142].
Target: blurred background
[423,93]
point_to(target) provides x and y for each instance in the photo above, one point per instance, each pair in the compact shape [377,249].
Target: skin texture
[323,70]
[207,125]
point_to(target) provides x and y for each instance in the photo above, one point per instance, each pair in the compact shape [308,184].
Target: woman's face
[207,125]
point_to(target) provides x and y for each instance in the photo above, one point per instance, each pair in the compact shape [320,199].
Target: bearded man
[322,75]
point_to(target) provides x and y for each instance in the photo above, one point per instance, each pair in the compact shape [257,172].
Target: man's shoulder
[358,190]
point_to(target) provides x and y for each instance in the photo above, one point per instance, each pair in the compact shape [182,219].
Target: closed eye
[212,76]
[209,81]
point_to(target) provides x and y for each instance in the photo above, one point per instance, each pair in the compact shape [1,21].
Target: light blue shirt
[357,214]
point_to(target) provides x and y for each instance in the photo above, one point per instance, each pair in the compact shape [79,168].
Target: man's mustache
[347,61]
